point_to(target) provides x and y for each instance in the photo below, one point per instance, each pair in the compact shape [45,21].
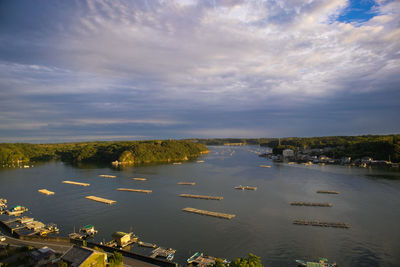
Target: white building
[287,153]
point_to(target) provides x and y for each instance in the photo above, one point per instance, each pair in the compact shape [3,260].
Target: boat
[163,253]
[323,262]
[88,230]
[17,210]
[194,257]
[147,245]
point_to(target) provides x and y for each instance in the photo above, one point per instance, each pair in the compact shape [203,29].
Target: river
[369,201]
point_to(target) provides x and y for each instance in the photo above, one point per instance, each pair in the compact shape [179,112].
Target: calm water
[369,200]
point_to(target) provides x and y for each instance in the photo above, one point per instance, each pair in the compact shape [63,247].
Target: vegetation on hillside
[128,151]
[380,147]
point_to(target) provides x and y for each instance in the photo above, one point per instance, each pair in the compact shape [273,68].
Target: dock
[322,224]
[139,179]
[102,200]
[311,204]
[201,197]
[46,192]
[75,183]
[187,183]
[241,187]
[135,190]
[210,213]
[107,176]
[160,252]
[328,192]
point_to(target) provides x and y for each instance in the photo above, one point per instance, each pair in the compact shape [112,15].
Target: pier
[322,224]
[135,190]
[102,200]
[210,213]
[187,183]
[201,197]
[328,192]
[45,192]
[240,187]
[139,179]
[75,183]
[310,204]
[107,176]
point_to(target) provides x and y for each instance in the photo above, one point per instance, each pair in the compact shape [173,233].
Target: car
[2,238]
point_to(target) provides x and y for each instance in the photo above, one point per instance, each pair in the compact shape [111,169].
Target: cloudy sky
[123,70]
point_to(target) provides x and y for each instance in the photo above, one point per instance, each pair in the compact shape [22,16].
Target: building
[42,256]
[288,153]
[82,256]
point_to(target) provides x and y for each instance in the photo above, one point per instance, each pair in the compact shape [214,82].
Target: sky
[133,70]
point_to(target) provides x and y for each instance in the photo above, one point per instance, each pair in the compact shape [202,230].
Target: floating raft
[210,213]
[107,176]
[187,183]
[75,183]
[328,192]
[46,192]
[265,166]
[135,190]
[139,179]
[102,200]
[311,204]
[201,197]
[324,224]
[240,187]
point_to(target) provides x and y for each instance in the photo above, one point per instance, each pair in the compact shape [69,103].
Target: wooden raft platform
[139,179]
[210,213]
[327,192]
[102,200]
[241,187]
[75,183]
[135,190]
[324,224]
[310,204]
[46,192]
[107,176]
[187,183]
[201,197]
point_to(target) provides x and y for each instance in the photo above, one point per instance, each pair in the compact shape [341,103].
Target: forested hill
[131,152]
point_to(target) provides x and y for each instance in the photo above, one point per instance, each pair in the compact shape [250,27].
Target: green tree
[116,260]
[251,261]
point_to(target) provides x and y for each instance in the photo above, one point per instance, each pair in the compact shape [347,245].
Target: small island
[117,153]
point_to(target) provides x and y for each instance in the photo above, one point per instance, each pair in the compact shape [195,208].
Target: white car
[2,238]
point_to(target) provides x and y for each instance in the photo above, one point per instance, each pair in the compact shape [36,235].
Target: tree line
[124,151]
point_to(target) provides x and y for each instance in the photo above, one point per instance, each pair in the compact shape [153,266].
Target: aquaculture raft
[139,179]
[46,192]
[75,183]
[240,187]
[135,190]
[107,176]
[327,192]
[311,204]
[210,213]
[187,183]
[201,197]
[102,200]
[324,224]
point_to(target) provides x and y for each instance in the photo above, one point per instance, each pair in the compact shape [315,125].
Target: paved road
[62,247]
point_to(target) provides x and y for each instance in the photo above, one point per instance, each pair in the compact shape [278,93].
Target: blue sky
[127,70]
